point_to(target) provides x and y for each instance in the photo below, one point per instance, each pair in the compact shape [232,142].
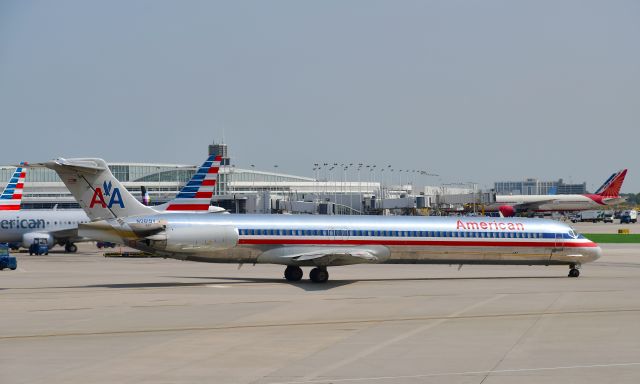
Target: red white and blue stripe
[196,194]
[425,238]
[11,197]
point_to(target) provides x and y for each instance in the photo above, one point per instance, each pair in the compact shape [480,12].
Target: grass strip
[613,237]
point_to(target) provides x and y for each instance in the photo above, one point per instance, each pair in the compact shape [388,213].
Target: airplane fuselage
[14,225]
[396,239]
[549,203]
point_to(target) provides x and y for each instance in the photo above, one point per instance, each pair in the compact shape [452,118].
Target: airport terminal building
[43,188]
[238,189]
[538,187]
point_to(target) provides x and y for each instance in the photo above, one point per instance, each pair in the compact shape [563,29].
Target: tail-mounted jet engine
[194,237]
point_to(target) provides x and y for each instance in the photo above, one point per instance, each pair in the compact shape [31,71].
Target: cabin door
[559,243]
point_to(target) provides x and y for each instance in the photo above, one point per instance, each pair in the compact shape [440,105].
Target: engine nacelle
[28,238]
[196,237]
[507,211]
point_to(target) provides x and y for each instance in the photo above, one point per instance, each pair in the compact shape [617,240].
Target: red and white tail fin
[196,194]
[611,187]
[11,197]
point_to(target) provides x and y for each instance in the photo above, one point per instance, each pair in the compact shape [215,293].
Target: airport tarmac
[84,318]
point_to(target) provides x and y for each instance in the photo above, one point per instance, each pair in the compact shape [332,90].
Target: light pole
[253,178]
[275,178]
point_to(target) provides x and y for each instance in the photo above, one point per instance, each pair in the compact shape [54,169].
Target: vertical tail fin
[97,191]
[146,200]
[196,194]
[11,197]
[611,187]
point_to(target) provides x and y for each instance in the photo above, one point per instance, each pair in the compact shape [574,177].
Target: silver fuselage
[398,239]
[14,225]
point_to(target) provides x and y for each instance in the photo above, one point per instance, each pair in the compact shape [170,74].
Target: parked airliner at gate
[315,241]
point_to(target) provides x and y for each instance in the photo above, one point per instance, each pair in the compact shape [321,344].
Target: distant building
[537,187]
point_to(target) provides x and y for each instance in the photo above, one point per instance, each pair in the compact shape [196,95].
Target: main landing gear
[573,271]
[70,247]
[317,275]
[293,273]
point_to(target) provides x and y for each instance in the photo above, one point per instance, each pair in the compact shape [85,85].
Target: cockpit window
[572,234]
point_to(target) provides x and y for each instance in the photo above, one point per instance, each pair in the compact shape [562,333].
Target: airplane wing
[331,255]
[70,234]
[65,233]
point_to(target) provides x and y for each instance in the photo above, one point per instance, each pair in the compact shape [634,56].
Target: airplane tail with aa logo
[97,191]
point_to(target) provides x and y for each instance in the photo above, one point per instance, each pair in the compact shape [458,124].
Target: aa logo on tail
[112,193]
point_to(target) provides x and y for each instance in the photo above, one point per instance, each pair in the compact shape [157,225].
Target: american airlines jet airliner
[314,241]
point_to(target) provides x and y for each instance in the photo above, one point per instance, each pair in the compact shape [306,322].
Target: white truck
[630,216]
[592,216]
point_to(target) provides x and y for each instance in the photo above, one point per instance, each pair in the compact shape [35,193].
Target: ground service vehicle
[591,216]
[630,216]
[6,260]
[40,246]
[608,217]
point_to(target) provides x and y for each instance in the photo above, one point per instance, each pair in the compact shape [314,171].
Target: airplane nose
[595,252]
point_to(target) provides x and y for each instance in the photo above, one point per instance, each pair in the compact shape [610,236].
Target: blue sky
[471,90]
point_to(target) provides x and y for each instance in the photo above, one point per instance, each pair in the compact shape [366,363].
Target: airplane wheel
[319,275]
[70,247]
[293,273]
[574,272]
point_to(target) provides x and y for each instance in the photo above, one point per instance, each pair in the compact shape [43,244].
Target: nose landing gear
[573,271]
